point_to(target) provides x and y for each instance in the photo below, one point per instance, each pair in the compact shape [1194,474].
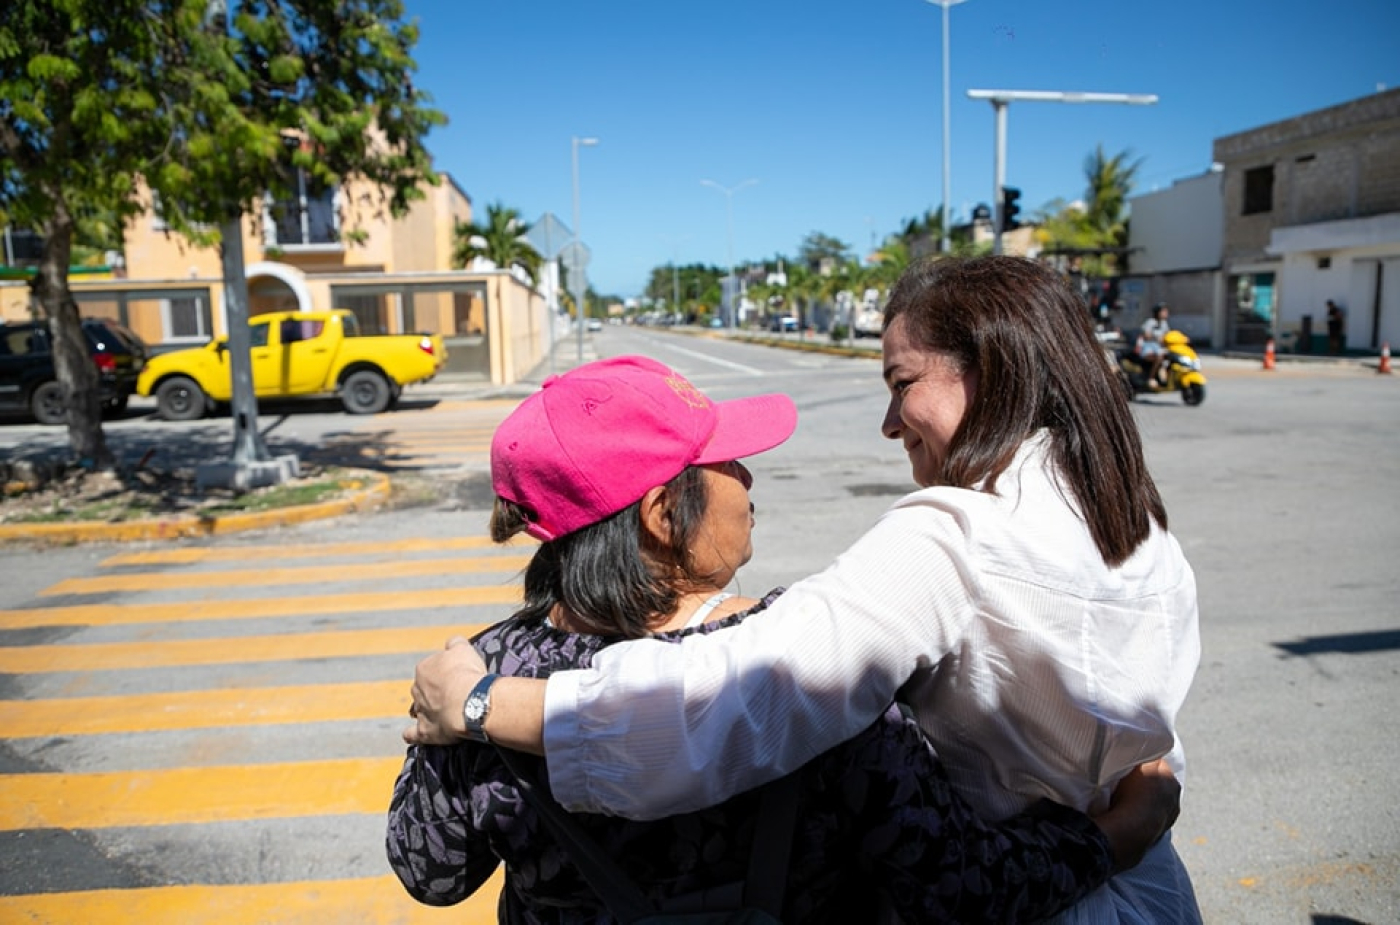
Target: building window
[185,319]
[1258,190]
[371,312]
[307,216]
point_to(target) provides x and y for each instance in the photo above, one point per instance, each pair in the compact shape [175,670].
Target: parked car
[595,324]
[296,354]
[782,323]
[29,383]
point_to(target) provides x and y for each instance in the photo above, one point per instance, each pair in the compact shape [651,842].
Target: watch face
[474,709]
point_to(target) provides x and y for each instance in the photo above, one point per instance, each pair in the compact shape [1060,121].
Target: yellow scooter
[1180,371]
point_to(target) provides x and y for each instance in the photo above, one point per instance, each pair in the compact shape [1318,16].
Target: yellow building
[324,248]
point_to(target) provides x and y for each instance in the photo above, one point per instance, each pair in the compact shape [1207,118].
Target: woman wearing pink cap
[629,476]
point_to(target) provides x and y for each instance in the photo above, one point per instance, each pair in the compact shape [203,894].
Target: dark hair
[1039,366]
[613,577]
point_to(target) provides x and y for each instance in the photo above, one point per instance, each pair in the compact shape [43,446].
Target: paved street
[207,731]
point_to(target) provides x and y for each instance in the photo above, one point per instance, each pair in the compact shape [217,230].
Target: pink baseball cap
[596,439]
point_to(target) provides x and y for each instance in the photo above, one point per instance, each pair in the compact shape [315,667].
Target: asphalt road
[223,713]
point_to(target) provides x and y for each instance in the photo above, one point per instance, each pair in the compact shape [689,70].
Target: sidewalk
[472,387]
[372,491]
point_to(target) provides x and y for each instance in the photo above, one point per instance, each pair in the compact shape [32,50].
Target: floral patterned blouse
[878,827]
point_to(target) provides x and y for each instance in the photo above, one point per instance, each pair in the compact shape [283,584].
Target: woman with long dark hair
[1028,600]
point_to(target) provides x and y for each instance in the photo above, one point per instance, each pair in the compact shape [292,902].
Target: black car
[29,384]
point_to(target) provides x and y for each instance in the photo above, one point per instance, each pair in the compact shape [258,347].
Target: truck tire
[365,392]
[116,406]
[180,398]
[47,404]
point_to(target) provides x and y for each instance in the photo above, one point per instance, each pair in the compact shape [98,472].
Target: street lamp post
[945,246]
[1001,98]
[733,280]
[579,280]
[675,275]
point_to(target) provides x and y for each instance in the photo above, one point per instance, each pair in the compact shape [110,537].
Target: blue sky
[835,107]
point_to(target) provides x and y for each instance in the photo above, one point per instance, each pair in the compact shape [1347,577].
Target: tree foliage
[98,95]
[818,248]
[1110,182]
[76,116]
[1096,229]
[500,239]
[282,86]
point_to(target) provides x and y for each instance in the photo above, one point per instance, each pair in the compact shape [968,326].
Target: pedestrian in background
[1335,327]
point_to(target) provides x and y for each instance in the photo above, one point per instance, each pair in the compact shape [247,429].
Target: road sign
[549,236]
[575,256]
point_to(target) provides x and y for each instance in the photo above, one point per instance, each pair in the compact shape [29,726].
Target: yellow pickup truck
[296,354]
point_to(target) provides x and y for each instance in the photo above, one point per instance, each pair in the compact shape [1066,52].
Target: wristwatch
[477,707]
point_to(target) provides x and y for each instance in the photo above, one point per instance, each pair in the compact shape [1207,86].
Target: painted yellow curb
[374,492]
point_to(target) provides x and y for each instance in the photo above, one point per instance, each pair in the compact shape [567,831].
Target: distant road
[206,731]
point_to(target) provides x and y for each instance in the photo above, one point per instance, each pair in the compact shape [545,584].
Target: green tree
[76,109]
[500,239]
[817,249]
[200,98]
[1110,182]
[1092,232]
[891,260]
[285,98]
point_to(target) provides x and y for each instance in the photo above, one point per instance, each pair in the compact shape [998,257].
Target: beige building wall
[398,279]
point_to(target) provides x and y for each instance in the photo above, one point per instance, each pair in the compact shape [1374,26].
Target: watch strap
[477,707]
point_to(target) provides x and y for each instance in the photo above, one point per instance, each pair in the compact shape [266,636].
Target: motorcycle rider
[1150,346]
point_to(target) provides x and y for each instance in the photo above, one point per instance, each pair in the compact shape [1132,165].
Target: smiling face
[723,541]
[929,395]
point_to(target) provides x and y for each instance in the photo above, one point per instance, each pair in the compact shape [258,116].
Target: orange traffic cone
[1384,366]
[1269,353]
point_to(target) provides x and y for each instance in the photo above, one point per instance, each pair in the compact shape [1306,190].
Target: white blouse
[1035,668]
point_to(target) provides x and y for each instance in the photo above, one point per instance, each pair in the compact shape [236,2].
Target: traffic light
[1009,208]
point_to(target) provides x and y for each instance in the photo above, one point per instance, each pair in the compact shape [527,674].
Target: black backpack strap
[768,858]
[772,847]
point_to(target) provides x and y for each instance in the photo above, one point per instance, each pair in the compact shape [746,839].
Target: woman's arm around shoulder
[938,860]
[656,728]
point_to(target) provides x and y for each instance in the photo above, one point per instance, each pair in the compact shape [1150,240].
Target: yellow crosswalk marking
[227,650]
[256,608]
[487,404]
[194,554]
[246,793]
[328,902]
[172,796]
[306,902]
[239,706]
[369,571]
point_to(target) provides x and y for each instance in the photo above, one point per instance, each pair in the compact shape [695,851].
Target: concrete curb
[371,490]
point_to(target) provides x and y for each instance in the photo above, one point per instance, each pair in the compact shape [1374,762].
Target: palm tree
[501,240]
[1110,182]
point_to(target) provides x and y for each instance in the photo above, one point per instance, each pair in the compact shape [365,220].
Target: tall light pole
[733,280]
[945,245]
[579,281]
[1001,98]
[675,274]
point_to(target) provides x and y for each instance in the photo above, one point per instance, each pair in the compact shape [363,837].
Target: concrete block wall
[1336,163]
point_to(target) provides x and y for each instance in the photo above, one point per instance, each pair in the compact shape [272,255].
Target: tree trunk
[71,354]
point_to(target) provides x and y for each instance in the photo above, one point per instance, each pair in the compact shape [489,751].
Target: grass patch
[111,500]
[279,496]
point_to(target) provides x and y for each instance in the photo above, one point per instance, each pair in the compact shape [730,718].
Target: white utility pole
[1001,98]
[945,244]
[733,280]
[580,284]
